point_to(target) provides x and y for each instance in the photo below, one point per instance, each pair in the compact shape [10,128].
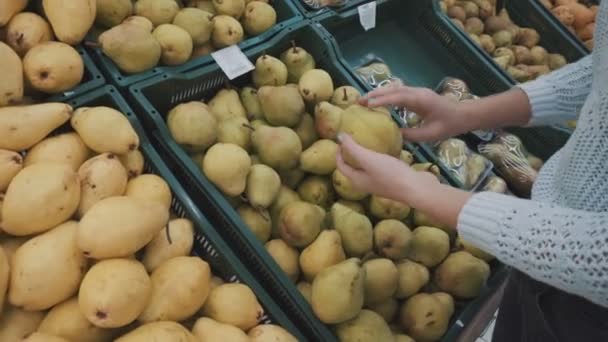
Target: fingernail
[340,137]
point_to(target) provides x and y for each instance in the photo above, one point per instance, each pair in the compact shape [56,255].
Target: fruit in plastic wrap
[355,230]
[281,105]
[300,223]
[375,73]
[366,326]
[462,275]
[320,157]
[476,165]
[495,184]
[277,147]
[392,239]
[316,86]
[425,316]
[453,152]
[325,251]
[429,246]
[298,61]
[412,277]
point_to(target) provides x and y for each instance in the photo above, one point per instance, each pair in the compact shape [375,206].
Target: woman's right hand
[441,116]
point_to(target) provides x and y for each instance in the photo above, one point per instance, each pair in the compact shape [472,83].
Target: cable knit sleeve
[565,248]
[559,96]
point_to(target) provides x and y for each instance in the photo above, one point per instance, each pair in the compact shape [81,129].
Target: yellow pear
[291,178]
[366,326]
[16,323]
[412,277]
[111,13]
[8,8]
[227,104]
[387,308]
[251,102]
[227,166]
[140,21]
[385,208]
[96,124]
[476,252]
[53,67]
[269,71]
[392,239]
[209,330]
[157,11]
[23,126]
[277,147]
[353,205]
[257,220]
[285,196]
[233,304]
[285,256]
[281,105]
[317,190]
[406,157]
[47,269]
[316,85]
[258,18]
[320,157]
[133,161]
[233,8]
[197,22]
[150,187]
[114,292]
[71,20]
[298,61]
[462,275]
[345,188]
[226,31]
[325,251]
[327,119]
[305,290]
[175,43]
[10,245]
[355,230]
[5,272]
[381,280]
[263,185]
[101,177]
[192,125]
[67,148]
[176,239]
[40,197]
[41,337]
[131,45]
[270,332]
[158,331]
[300,223]
[10,165]
[345,96]
[429,246]
[205,5]
[306,130]
[424,317]
[235,130]
[11,87]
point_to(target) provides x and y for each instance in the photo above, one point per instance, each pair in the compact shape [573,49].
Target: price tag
[367,15]
[232,61]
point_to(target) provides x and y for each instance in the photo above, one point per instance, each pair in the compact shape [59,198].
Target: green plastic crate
[207,242]
[310,12]
[287,14]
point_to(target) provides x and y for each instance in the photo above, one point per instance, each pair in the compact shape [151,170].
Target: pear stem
[293,45]
[345,95]
[168,233]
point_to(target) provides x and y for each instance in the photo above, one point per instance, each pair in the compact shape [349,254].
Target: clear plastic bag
[463,164]
[319,4]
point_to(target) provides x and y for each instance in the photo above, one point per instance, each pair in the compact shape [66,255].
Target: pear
[132,47]
[16,323]
[305,129]
[197,23]
[387,309]
[258,123]
[429,246]
[233,8]
[27,30]
[5,272]
[233,304]
[158,331]
[345,188]
[270,332]
[111,13]
[133,161]
[205,5]
[476,252]
[53,67]
[281,105]
[192,125]
[384,208]
[320,158]
[11,87]
[316,86]
[202,50]
[175,44]
[447,300]
[176,239]
[95,124]
[424,317]
[403,338]
[367,326]
[269,71]
[305,290]
[235,130]
[71,20]
[285,256]
[226,31]
[406,157]
[355,206]
[208,330]
[158,11]
[277,147]
[8,8]
[227,104]
[327,120]
[381,280]
[338,292]
[345,96]
[392,239]
[462,275]
[412,277]
[66,148]
[141,22]
[317,190]
[298,61]
[325,251]
[285,196]
[10,165]
[42,337]
[421,219]
[251,102]
[292,178]
[355,230]
[371,129]
[101,177]
[258,220]
[258,17]
[300,223]
[227,166]
[150,187]
[263,185]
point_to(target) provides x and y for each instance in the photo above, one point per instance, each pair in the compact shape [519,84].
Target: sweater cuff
[543,101]
[479,220]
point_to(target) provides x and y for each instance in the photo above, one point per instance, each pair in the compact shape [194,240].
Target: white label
[367,15]
[232,61]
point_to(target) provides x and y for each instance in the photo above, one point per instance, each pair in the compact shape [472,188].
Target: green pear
[325,251]
[175,42]
[429,246]
[285,196]
[355,230]
[345,188]
[305,129]
[327,120]
[226,31]
[277,147]
[133,48]
[384,208]
[387,309]
[285,256]
[367,326]
[412,277]
[292,178]
[371,129]
[298,61]
[192,126]
[476,252]
[316,86]
[263,185]
[320,158]
[227,104]
[269,71]
[300,223]
[338,292]
[424,317]
[258,18]
[235,130]
[355,206]
[381,279]
[233,8]
[197,23]
[317,190]
[462,275]
[281,105]
[345,96]
[251,102]
[227,166]
[258,220]
[392,239]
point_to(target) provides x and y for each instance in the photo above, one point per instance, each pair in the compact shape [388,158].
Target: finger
[354,150]
[383,91]
[356,176]
[423,133]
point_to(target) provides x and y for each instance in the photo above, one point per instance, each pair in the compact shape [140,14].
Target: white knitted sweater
[560,237]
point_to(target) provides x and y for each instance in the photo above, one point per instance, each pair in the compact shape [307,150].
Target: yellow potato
[16,323]
[133,162]
[101,177]
[105,129]
[63,148]
[150,187]
[10,164]
[159,331]
[174,240]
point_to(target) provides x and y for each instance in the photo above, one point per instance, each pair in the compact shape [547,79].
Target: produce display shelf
[207,242]
[309,9]
[287,14]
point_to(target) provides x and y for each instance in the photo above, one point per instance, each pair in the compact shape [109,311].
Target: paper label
[367,15]
[232,61]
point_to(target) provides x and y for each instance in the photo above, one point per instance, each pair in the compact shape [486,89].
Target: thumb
[354,150]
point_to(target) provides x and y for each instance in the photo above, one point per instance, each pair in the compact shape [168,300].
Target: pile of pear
[37,57]
[270,148]
[146,33]
[89,247]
